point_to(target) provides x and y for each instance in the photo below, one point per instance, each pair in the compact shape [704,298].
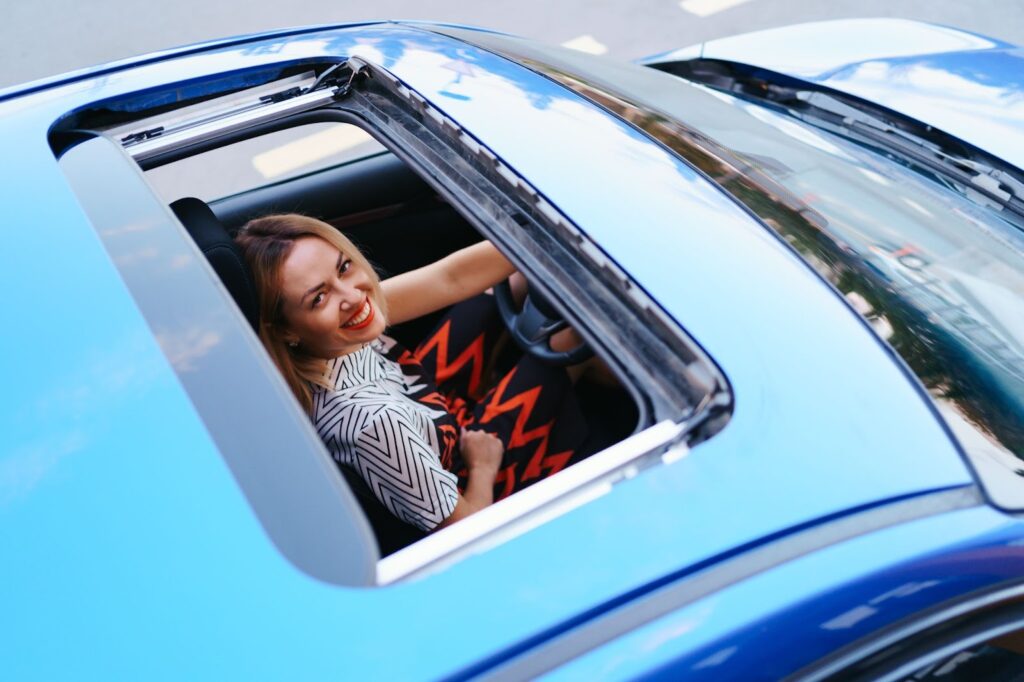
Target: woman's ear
[290,338]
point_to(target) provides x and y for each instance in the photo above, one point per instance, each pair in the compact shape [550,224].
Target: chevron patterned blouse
[370,423]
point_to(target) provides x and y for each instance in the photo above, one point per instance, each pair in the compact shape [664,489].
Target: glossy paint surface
[944,77]
[128,528]
[120,521]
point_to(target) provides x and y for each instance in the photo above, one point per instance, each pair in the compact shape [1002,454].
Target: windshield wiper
[979,176]
[981,180]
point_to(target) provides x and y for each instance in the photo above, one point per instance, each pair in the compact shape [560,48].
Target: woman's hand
[482,453]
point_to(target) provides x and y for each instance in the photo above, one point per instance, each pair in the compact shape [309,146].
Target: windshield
[939,277]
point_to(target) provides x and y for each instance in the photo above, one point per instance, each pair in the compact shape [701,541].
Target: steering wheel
[533,326]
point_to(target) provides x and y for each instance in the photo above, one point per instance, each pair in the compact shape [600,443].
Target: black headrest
[216,244]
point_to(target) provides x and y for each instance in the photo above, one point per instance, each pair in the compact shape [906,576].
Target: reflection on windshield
[938,277]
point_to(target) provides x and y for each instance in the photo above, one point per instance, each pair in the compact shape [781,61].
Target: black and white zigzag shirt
[370,423]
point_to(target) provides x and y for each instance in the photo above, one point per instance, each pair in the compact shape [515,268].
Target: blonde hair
[266,243]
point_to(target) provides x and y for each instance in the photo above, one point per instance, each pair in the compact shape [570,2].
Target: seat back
[221,251]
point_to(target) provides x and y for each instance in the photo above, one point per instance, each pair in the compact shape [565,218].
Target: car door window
[988,661]
[983,643]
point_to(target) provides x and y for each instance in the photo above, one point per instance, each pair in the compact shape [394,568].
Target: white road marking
[705,8]
[586,44]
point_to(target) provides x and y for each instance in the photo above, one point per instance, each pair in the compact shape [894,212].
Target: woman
[421,425]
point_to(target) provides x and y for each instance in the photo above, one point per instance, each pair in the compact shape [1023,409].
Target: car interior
[400,223]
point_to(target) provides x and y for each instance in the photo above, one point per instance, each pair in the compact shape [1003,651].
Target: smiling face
[328,300]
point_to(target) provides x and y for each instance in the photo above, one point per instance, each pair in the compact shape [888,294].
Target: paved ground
[47,37]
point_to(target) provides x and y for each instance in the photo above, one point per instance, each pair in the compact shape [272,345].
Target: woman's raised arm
[454,278]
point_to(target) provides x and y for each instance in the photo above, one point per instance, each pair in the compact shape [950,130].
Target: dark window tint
[983,662]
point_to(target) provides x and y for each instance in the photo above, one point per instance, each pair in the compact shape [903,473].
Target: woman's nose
[349,296]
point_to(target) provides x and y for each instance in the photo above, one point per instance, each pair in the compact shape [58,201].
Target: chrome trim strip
[541,502]
[231,122]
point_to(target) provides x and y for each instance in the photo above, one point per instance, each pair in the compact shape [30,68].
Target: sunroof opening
[412,202]
[453,368]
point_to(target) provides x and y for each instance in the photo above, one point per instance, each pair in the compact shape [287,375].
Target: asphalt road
[48,37]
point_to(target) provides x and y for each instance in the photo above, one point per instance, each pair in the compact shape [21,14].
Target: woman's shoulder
[355,406]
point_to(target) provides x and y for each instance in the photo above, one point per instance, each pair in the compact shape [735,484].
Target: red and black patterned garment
[395,414]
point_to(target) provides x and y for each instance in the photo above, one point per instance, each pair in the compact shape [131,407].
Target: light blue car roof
[132,551]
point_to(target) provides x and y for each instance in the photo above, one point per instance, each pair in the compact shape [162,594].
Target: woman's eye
[345,265]
[318,299]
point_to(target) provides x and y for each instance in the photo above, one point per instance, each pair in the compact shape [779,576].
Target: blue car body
[835,502]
